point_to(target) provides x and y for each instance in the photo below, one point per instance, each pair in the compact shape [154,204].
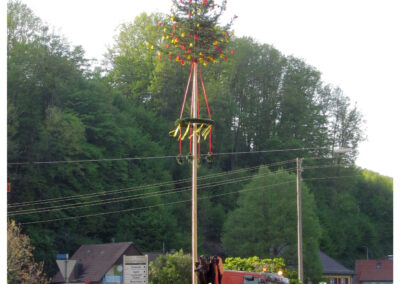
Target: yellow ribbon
[186,132]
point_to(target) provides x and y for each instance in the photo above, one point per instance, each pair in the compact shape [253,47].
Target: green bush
[254,264]
[171,269]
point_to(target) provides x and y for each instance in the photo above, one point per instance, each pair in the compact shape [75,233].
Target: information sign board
[135,269]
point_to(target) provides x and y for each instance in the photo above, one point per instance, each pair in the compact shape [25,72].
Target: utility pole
[194,175]
[299,222]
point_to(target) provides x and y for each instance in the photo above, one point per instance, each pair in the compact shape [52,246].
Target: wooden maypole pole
[194,174]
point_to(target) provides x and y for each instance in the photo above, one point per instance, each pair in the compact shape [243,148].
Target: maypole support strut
[184,126]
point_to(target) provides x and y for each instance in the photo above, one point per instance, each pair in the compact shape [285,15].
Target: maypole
[190,34]
[194,174]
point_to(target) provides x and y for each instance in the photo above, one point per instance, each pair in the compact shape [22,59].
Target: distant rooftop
[331,266]
[374,270]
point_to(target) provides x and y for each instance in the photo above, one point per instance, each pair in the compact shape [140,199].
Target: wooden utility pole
[299,222]
[194,175]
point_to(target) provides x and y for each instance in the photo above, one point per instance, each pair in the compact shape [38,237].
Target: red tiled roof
[367,270]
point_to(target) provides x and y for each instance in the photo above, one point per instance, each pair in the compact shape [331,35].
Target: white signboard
[135,269]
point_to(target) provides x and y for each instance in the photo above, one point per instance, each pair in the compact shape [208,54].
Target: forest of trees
[104,120]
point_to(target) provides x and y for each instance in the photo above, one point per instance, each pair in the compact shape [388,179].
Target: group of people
[209,271]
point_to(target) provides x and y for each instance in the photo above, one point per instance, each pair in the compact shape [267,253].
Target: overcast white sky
[353,43]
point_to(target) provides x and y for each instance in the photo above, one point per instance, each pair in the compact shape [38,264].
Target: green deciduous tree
[265,222]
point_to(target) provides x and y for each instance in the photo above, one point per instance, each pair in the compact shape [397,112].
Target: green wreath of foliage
[191,32]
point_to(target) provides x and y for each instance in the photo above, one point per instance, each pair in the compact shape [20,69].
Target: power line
[153,194]
[151,206]
[175,202]
[335,177]
[138,196]
[131,189]
[159,157]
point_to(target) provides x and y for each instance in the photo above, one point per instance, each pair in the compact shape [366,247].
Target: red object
[196,37]
[205,2]
[87,282]
[159,57]
[167,46]
[159,24]
[232,51]
[225,58]
[380,270]
[238,277]
[8,186]
[174,27]
[170,57]
[208,110]
[182,62]
[216,280]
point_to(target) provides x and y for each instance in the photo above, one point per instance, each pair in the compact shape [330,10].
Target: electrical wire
[153,206]
[139,196]
[335,177]
[159,157]
[129,189]
[175,202]
[323,166]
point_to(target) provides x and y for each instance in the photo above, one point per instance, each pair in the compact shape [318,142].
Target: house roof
[152,256]
[374,270]
[331,266]
[95,260]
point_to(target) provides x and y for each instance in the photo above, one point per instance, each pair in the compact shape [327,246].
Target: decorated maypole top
[190,34]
